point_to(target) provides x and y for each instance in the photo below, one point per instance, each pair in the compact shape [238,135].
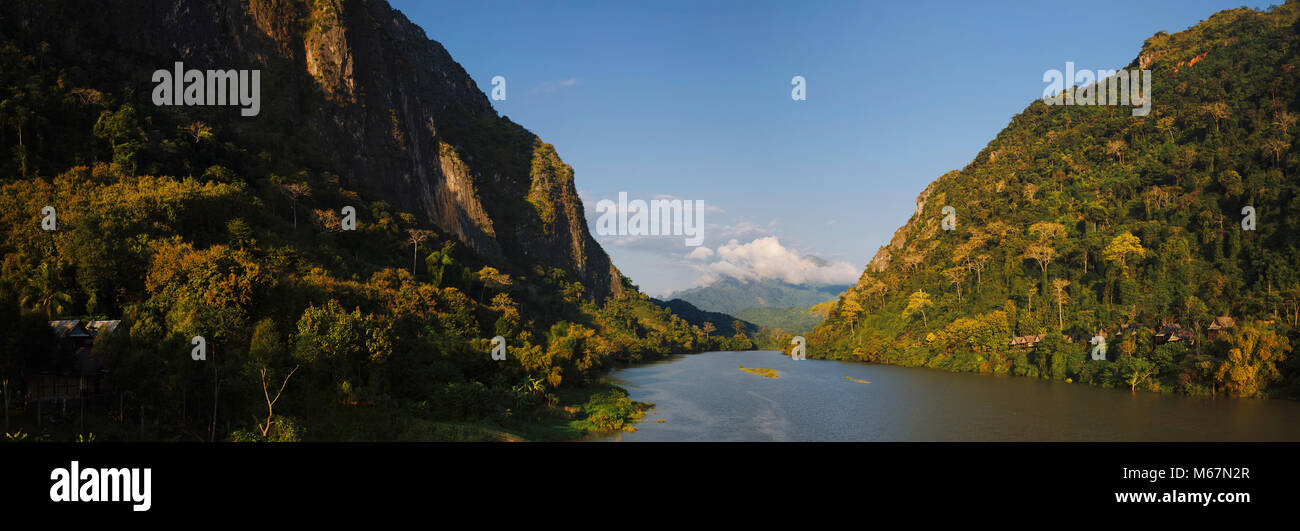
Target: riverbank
[578,413]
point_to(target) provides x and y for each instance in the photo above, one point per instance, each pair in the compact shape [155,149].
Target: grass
[609,410]
[770,373]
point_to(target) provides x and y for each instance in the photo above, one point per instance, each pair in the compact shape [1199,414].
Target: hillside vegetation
[1077,220]
[192,221]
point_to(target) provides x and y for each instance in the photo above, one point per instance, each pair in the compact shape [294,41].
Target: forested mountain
[732,296]
[777,306]
[793,319]
[714,321]
[1076,221]
[194,220]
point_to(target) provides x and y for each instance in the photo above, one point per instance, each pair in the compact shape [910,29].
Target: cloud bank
[766,259]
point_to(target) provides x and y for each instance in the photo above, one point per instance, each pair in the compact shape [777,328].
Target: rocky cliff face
[388,110]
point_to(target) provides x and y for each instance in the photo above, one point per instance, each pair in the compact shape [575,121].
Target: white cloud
[700,253]
[766,259]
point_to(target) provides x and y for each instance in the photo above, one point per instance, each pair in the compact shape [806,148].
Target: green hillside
[194,221]
[1077,220]
[713,322]
[790,319]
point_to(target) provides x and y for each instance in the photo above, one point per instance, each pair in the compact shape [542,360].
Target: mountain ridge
[732,296]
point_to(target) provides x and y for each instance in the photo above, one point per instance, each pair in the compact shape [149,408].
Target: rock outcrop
[384,107]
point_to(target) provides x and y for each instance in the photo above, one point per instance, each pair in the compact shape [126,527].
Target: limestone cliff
[384,107]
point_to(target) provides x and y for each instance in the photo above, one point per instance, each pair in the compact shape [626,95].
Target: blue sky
[692,100]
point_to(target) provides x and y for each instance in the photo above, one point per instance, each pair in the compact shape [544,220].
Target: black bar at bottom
[250,482]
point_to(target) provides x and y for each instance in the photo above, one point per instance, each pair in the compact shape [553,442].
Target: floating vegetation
[852,379]
[770,373]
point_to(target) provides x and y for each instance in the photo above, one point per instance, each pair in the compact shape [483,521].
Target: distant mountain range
[767,303]
[734,296]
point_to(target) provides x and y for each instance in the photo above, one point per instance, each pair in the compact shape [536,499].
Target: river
[705,397]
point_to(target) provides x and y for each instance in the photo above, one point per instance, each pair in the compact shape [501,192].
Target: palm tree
[43,293]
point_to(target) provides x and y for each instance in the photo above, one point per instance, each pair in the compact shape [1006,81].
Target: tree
[328,221]
[917,302]
[912,261]
[1115,148]
[205,292]
[1284,120]
[738,326]
[708,328]
[199,130]
[266,352]
[850,309]
[1166,125]
[415,236]
[1059,286]
[334,344]
[822,309]
[873,288]
[295,192]
[1276,147]
[437,263]
[43,293]
[1135,369]
[1121,248]
[14,111]
[956,275]
[1046,231]
[1044,255]
[1254,350]
[978,264]
[241,235]
[1194,312]
[508,324]
[492,279]
[123,133]
[1216,111]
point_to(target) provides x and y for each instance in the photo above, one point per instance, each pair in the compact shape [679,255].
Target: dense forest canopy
[1085,221]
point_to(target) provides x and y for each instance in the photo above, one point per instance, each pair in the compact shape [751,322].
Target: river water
[706,397]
